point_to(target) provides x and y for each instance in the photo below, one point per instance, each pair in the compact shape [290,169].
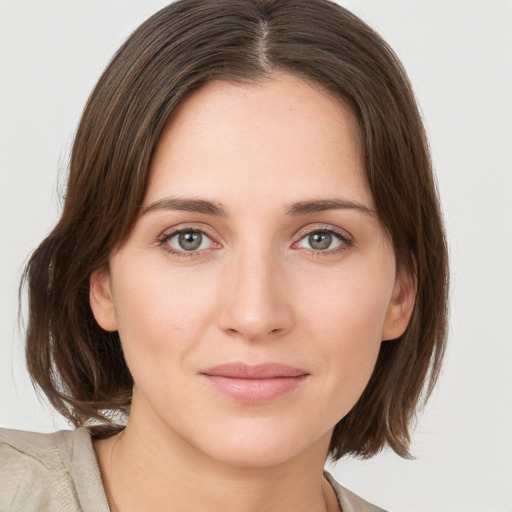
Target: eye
[323,240]
[187,240]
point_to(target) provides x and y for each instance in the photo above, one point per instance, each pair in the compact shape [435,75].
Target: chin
[264,447]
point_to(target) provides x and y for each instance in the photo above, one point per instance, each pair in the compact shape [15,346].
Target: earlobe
[100,297]
[400,307]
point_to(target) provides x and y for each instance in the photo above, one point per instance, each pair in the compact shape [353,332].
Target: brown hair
[79,366]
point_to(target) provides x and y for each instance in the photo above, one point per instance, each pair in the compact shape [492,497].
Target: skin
[255,291]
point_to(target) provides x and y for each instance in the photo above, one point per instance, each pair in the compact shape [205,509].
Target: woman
[249,271]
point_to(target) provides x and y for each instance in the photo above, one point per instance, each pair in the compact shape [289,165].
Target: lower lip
[255,391]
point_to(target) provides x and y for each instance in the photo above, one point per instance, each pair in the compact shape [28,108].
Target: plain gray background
[459,57]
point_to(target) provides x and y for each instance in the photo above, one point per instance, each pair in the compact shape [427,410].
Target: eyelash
[166,237]
[345,239]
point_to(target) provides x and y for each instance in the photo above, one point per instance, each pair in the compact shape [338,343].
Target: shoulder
[55,472]
[349,501]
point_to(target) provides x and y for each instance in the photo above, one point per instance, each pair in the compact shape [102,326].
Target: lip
[254,384]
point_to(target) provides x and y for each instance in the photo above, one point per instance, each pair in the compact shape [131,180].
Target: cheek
[351,305]
[346,320]
[161,317]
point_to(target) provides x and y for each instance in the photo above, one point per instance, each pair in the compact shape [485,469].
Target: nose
[256,300]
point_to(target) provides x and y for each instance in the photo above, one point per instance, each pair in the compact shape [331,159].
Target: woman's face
[257,285]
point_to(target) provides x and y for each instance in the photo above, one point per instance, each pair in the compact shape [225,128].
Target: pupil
[190,241]
[320,241]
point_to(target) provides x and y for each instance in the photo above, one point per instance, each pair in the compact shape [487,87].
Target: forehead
[275,136]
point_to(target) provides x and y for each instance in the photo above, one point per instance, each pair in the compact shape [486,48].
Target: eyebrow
[306,207]
[186,205]
[295,209]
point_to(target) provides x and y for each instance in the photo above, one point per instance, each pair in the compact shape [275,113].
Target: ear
[100,297]
[400,308]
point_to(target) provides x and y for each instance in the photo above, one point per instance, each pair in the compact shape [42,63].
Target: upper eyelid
[180,228]
[176,232]
[343,233]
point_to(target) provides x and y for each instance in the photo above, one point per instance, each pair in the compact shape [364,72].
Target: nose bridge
[255,303]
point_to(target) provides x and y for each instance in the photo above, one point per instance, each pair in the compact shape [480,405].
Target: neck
[148,467]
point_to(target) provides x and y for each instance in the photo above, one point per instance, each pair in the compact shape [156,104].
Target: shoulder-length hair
[79,366]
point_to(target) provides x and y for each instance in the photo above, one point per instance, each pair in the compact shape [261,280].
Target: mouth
[254,384]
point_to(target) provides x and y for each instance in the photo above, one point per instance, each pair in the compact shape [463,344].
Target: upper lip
[259,371]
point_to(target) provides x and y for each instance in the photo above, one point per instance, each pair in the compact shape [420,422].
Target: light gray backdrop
[459,57]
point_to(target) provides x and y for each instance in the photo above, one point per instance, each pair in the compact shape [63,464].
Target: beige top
[59,473]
